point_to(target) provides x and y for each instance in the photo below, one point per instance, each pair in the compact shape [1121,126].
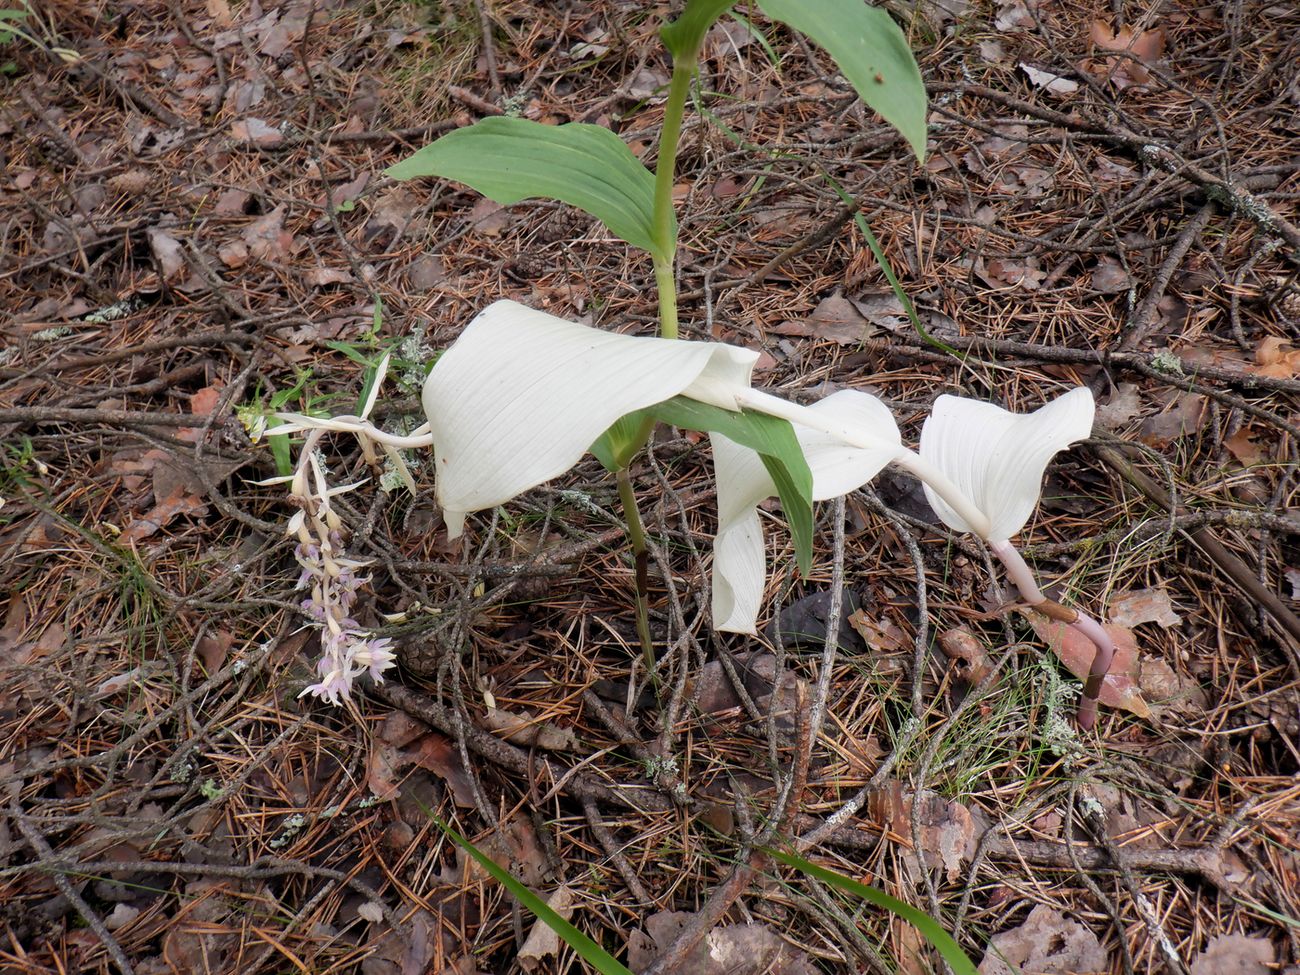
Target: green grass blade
[588,950]
[930,929]
[888,270]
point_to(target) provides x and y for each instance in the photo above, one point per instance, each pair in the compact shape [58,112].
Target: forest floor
[195,231]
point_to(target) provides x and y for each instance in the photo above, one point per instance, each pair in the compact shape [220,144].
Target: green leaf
[871,51]
[888,270]
[513,159]
[281,451]
[588,950]
[684,35]
[616,447]
[928,926]
[774,442]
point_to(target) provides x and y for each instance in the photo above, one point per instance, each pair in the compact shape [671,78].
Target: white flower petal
[522,395]
[739,562]
[997,458]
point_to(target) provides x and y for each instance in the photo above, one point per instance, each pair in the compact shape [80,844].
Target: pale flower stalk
[331,579]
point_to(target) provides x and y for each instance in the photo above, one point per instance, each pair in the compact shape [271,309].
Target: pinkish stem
[1023,579]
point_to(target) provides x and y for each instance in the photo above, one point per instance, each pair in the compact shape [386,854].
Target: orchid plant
[522,395]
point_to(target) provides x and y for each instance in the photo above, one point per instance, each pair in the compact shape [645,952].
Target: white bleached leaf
[997,458]
[739,562]
[521,395]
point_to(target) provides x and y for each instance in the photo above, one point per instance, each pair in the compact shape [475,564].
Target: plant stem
[1023,578]
[641,555]
[665,226]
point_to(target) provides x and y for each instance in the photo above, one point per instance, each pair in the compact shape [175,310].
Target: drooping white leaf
[739,562]
[521,395]
[997,458]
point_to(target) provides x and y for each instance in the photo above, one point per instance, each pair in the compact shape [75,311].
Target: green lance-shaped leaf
[590,952]
[513,159]
[928,926]
[684,35]
[774,441]
[871,51]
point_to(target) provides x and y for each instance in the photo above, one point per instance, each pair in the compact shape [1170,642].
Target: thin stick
[641,554]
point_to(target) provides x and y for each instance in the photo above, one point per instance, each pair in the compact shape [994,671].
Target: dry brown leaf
[319,277]
[1181,416]
[1120,688]
[730,949]
[1143,606]
[257,132]
[962,645]
[434,752]
[948,830]
[525,729]
[1275,357]
[266,237]
[1110,278]
[543,940]
[1123,405]
[167,252]
[1046,944]
[1052,83]
[213,648]
[1235,954]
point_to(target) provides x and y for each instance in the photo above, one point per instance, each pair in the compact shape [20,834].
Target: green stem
[679,87]
[641,555]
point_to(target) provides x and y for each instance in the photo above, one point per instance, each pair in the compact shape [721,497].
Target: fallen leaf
[1180,417]
[213,648]
[1049,81]
[1235,954]
[947,828]
[1143,606]
[962,645]
[432,751]
[167,252]
[1121,407]
[489,217]
[1277,359]
[1144,49]
[233,253]
[543,940]
[730,949]
[525,729]
[319,277]
[1109,277]
[1046,944]
[372,912]
[266,237]
[256,132]
[1120,688]
[231,203]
